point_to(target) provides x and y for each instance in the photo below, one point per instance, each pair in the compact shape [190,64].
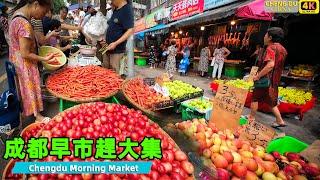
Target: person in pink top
[23,54]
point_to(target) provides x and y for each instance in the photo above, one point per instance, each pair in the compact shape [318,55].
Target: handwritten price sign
[228,105]
[258,134]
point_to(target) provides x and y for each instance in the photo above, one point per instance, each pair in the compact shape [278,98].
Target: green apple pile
[239,83]
[201,104]
[234,158]
[179,89]
[294,96]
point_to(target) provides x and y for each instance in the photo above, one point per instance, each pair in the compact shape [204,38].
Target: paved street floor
[307,130]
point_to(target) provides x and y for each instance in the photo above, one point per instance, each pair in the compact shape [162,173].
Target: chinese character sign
[257,134]
[209,4]
[103,148]
[186,8]
[227,106]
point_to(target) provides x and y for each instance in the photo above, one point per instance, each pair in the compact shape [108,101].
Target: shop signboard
[186,8]
[162,13]
[210,4]
[140,25]
[150,20]
[156,3]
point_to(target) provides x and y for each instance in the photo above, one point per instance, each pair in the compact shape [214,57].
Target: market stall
[83,84]
[292,100]
[227,156]
[72,124]
[305,73]
[157,96]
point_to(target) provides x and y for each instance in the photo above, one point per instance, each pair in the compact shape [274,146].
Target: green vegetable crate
[189,112]
[64,104]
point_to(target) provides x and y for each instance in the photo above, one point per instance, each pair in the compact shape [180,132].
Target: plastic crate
[286,144]
[188,113]
[64,104]
[233,71]
[243,121]
[141,61]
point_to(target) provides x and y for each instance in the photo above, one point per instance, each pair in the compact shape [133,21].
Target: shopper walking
[22,54]
[204,60]
[120,29]
[267,80]
[220,54]
[185,61]
[171,59]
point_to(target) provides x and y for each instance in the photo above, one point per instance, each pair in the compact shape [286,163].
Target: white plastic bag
[213,61]
[96,26]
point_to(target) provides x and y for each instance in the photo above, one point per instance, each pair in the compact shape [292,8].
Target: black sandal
[276,125]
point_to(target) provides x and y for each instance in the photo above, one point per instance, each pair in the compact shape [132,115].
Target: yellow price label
[309,6]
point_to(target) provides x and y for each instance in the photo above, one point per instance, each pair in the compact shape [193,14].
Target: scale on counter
[84,60]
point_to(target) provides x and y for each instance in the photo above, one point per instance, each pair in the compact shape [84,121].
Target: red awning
[254,10]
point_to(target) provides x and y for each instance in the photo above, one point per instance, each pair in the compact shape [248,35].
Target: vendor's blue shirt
[120,21]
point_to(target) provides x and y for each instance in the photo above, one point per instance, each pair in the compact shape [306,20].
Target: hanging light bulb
[202,28]
[233,22]
[180,32]
[172,33]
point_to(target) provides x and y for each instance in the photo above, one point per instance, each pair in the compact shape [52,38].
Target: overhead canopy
[155,28]
[215,14]
[254,10]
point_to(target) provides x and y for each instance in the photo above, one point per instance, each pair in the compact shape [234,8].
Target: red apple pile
[237,159]
[8,172]
[99,119]
[31,131]
[293,165]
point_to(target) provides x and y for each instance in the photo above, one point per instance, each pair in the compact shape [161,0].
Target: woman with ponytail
[22,54]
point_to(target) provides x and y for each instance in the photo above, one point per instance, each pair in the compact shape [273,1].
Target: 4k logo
[309,6]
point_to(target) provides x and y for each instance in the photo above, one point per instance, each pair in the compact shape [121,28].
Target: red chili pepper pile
[142,94]
[84,82]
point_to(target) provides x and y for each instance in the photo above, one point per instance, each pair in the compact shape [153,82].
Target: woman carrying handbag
[220,54]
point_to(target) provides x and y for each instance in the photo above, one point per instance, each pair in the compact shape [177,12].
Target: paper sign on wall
[257,134]
[253,72]
[227,106]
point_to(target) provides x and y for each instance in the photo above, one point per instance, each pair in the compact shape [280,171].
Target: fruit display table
[121,123]
[284,107]
[309,80]
[231,157]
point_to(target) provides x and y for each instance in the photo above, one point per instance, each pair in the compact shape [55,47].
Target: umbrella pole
[130,57]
